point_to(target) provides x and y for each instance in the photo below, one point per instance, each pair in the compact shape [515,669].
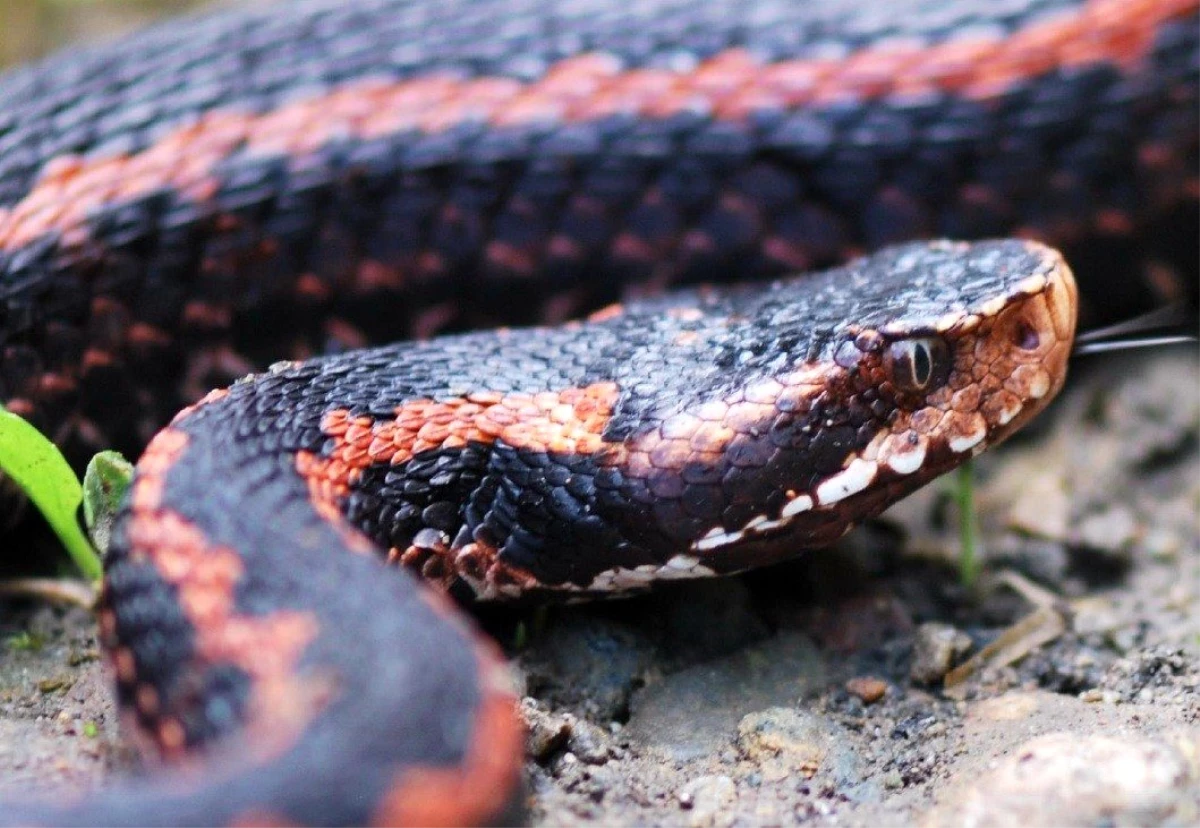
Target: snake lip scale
[296,182]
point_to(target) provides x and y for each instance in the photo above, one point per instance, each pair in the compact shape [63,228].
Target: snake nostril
[1026,337]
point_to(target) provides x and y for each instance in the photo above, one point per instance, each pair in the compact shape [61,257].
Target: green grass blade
[970,556]
[38,467]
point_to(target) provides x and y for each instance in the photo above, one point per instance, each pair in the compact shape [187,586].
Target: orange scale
[418,446]
[454,441]
[711,436]
[518,433]
[380,450]
[501,415]
[531,108]
[359,428]
[588,444]
[489,428]
[433,432]
[664,106]
[671,454]
[748,102]
[412,416]
[61,167]
[795,80]
[445,417]
[399,435]
[712,411]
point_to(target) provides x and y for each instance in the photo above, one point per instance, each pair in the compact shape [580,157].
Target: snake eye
[919,364]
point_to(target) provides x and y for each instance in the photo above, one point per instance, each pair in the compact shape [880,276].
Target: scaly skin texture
[179,208]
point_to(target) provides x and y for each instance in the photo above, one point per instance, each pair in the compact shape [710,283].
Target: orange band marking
[571,421]
[730,85]
[205,576]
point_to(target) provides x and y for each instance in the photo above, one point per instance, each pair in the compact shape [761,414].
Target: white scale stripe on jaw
[1006,415]
[906,462]
[717,538]
[968,441]
[617,579]
[852,480]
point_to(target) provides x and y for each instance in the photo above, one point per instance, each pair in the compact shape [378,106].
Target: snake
[306,182]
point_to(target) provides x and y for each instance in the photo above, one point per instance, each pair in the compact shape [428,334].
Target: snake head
[919,358]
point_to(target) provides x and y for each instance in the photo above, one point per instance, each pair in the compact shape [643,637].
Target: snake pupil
[922,363]
[919,364]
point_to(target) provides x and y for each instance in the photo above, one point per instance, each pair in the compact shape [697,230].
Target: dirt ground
[814,692]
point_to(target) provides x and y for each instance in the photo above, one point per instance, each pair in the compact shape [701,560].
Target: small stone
[53,685]
[1043,508]
[1111,532]
[546,732]
[588,742]
[708,798]
[1162,543]
[936,649]
[1068,779]
[783,742]
[1095,616]
[1097,696]
[867,688]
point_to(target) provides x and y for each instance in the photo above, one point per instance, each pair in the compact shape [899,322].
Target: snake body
[318,175]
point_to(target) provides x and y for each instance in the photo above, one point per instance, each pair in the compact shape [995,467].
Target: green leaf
[37,466]
[105,482]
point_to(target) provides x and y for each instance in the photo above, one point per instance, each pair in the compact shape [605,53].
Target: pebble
[1111,532]
[936,648]
[589,742]
[867,688]
[708,799]
[784,742]
[1067,779]
[545,732]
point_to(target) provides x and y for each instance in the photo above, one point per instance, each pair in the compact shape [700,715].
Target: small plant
[39,468]
[104,485]
[970,558]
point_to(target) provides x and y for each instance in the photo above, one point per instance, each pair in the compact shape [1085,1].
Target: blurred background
[32,28]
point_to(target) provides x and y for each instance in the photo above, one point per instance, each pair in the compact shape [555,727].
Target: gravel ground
[816,691]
